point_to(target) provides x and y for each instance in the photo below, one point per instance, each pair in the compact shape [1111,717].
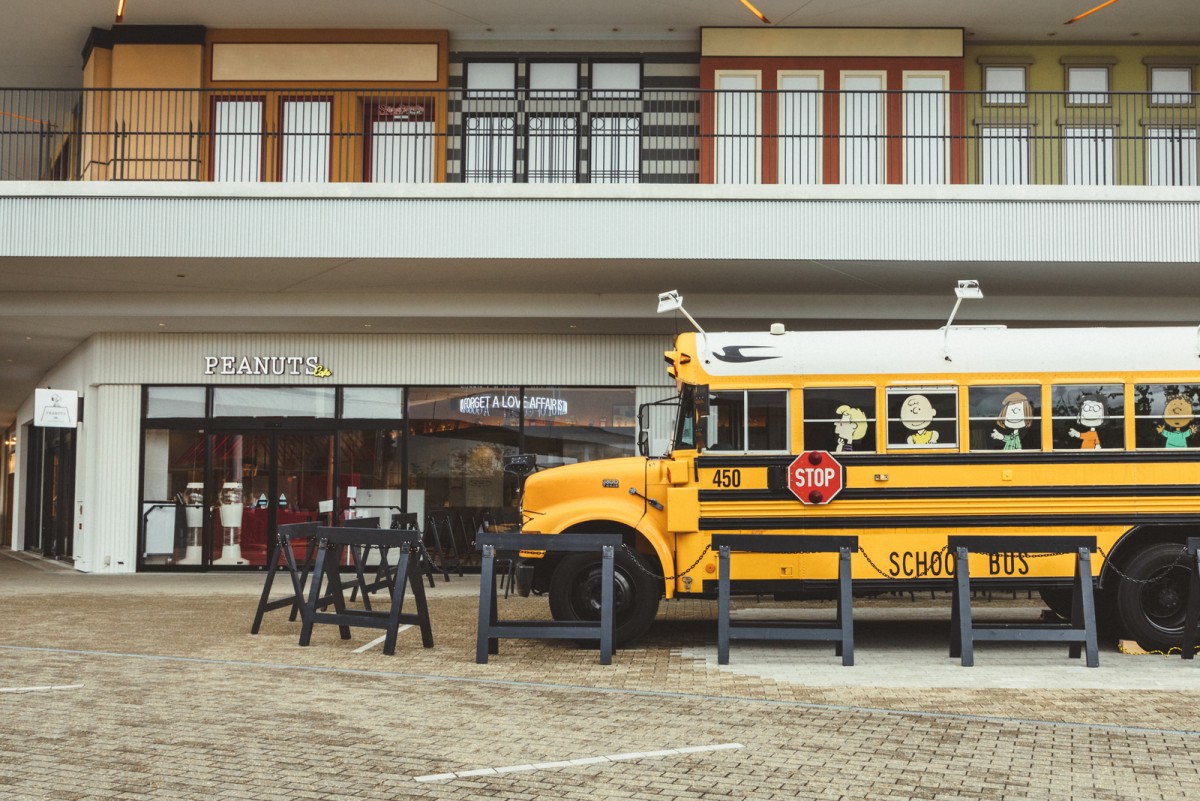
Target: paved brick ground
[172,698]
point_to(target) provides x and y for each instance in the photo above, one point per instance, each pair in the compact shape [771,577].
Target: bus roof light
[673,301]
[967,289]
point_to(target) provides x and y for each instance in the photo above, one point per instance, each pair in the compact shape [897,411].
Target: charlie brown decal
[917,413]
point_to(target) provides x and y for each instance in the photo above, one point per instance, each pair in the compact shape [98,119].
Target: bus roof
[971,349]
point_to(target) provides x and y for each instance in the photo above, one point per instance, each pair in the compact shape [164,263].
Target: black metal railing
[660,136]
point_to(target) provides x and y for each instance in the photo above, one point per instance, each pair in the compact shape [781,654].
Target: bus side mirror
[701,432]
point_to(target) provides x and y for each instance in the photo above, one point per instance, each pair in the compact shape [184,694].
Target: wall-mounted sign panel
[311,61]
[55,408]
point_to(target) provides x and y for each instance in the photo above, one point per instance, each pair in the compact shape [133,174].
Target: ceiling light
[759,14]
[1090,11]
[120,10]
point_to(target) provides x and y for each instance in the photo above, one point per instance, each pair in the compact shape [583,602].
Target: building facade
[294,270]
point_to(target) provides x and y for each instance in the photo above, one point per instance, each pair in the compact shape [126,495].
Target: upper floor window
[1171,86]
[748,420]
[553,79]
[1004,85]
[616,79]
[306,138]
[238,139]
[1087,86]
[491,79]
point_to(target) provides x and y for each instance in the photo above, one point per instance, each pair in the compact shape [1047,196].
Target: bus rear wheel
[1152,606]
[575,593]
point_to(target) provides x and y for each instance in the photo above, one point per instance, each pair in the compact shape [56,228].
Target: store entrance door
[50,492]
[259,481]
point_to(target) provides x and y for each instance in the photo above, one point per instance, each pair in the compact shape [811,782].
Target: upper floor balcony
[613,137]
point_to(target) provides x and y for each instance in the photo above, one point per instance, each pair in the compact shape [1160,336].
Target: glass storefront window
[172,514]
[217,496]
[274,402]
[175,402]
[458,438]
[564,426]
[373,403]
[370,467]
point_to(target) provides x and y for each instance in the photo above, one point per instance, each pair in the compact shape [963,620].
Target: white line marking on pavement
[570,763]
[44,689]
[380,639]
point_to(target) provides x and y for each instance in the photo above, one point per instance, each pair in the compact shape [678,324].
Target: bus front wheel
[575,593]
[1151,596]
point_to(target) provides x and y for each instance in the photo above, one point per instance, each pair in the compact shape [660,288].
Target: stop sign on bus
[815,477]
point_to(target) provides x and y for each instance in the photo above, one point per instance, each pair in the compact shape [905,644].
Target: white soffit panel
[944,229]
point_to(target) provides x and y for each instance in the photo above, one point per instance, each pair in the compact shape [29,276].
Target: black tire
[575,593]
[1152,612]
[1057,600]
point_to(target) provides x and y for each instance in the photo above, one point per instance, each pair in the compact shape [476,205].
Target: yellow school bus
[967,430]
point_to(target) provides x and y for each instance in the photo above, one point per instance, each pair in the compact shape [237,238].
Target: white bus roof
[971,349]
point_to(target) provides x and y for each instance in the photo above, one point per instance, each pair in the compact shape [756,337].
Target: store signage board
[534,405]
[55,408]
[266,366]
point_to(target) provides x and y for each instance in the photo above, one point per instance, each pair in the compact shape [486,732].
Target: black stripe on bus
[998,457]
[925,520]
[943,493]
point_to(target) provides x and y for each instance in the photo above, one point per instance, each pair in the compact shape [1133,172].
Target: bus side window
[841,420]
[1088,417]
[1165,416]
[1005,418]
[747,420]
[922,417]
[726,416]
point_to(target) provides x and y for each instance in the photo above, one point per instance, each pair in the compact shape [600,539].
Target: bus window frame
[907,388]
[1040,416]
[702,423]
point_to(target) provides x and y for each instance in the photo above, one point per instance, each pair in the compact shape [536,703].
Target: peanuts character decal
[851,428]
[917,413]
[1015,412]
[1092,413]
[1179,422]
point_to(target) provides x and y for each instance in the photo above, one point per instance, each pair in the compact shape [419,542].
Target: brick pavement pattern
[178,701]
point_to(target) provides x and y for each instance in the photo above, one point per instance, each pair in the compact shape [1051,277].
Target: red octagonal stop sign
[815,477]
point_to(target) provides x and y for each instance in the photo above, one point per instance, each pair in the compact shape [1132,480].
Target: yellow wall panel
[832,42]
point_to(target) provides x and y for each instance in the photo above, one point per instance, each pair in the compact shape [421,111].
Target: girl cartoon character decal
[1015,413]
[1092,413]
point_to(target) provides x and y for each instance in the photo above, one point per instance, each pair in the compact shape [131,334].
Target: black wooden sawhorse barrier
[1080,631]
[385,573]
[331,544]
[509,545]
[1192,617]
[841,632]
[282,547]
[284,537]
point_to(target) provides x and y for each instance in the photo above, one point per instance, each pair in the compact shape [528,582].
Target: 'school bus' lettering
[976,431]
